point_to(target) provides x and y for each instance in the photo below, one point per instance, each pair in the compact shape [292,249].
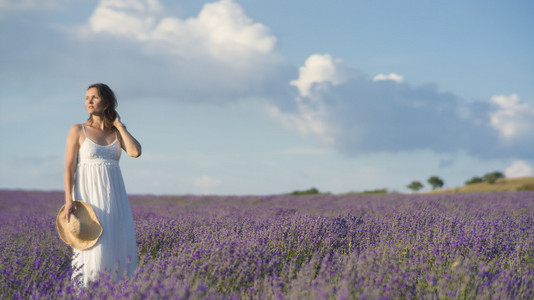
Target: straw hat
[82,230]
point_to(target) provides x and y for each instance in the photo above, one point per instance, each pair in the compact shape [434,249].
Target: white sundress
[99,182]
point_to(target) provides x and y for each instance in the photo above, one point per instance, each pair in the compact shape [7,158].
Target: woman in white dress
[92,175]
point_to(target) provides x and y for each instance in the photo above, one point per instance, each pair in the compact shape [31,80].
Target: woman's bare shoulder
[75,130]
[76,127]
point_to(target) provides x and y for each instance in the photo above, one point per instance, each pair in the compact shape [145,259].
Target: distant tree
[311,191]
[474,180]
[375,191]
[415,186]
[435,182]
[493,176]
[366,192]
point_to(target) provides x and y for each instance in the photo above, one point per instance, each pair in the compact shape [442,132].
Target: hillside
[503,184]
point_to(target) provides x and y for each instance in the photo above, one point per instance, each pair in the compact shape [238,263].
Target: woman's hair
[110,104]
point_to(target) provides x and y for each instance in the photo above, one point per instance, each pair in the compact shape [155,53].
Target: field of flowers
[389,246]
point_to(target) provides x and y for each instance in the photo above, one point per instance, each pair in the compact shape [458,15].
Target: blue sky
[267,97]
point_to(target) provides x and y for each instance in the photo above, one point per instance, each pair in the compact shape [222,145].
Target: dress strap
[85,133]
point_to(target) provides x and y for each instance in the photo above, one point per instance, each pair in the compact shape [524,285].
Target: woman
[92,175]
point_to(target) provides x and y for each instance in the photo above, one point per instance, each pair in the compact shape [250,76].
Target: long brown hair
[110,104]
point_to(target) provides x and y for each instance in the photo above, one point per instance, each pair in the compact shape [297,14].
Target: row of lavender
[289,247]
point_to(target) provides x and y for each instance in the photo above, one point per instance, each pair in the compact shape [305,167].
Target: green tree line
[435,182]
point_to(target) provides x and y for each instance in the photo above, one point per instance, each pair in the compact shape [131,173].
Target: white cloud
[513,118]
[225,25]
[222,30]
[134,18]
[358,114]
[319,70]
[206,184]
[318,73]
[518,168]
[391,76]
[308,121]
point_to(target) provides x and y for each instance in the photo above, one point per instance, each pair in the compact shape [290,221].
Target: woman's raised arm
[128,142]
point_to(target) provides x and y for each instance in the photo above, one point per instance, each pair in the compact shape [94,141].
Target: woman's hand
[69,208]
[117,121]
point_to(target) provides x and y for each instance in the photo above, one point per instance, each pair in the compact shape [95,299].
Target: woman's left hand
[117,121]
[128,142]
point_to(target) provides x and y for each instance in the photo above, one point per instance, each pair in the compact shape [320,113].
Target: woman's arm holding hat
[71,158]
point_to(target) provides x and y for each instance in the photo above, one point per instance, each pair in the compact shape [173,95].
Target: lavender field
[390,246]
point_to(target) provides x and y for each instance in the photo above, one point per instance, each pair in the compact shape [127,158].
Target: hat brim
[92,228]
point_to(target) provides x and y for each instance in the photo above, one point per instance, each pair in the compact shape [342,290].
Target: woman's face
[93,102]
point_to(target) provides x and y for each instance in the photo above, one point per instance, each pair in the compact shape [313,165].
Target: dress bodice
[91,152]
